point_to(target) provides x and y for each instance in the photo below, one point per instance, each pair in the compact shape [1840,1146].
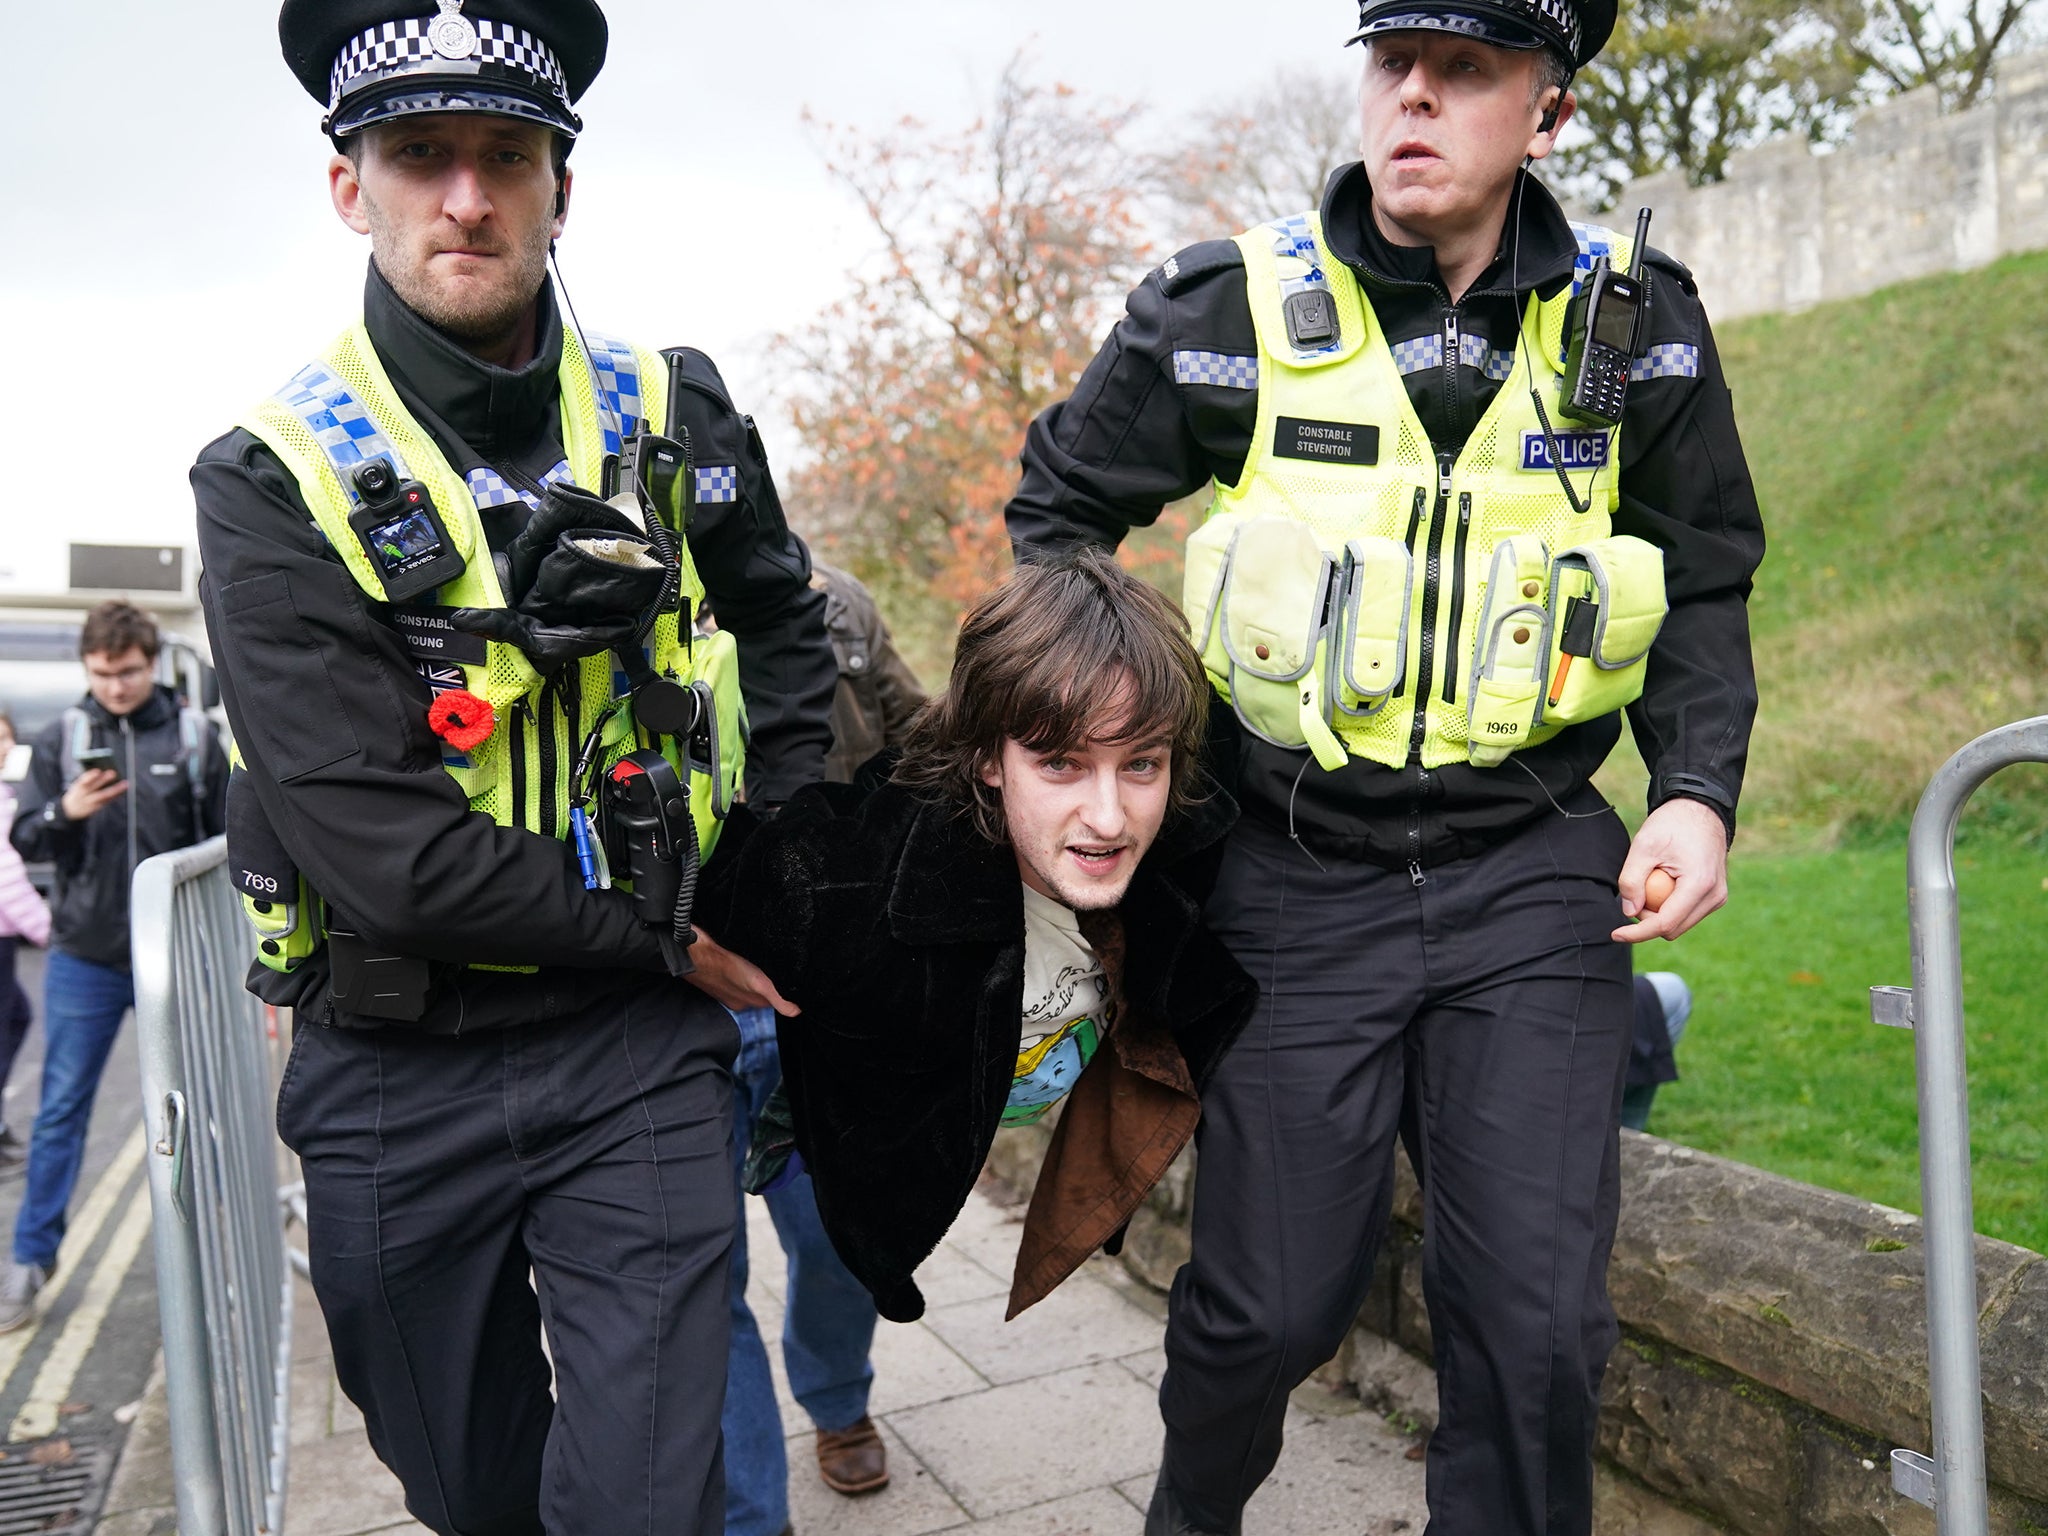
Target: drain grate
[52,1499]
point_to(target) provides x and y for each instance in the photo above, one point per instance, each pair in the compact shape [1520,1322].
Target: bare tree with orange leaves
[1003,252]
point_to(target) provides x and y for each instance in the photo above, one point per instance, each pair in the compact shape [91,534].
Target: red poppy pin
[461,719]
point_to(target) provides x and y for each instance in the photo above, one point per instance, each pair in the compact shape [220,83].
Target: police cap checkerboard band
[1430,588]
[452,567]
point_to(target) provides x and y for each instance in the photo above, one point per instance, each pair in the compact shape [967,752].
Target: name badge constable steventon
[1328,442]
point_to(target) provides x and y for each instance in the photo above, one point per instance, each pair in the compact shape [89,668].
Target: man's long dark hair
[1068,650]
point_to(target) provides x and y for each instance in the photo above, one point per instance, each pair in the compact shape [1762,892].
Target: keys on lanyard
[597,875]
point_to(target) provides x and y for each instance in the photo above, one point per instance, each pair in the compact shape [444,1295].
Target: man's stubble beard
[1093,900]
[487,319]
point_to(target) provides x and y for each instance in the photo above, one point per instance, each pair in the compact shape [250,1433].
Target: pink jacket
[22,912]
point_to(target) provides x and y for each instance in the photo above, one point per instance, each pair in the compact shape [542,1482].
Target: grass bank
[1901,458]
[1782,1067]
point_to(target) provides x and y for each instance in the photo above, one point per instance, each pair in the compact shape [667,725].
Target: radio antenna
[1635,263]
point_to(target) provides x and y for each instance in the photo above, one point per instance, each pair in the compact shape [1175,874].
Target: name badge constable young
[1477,496]
[452,565]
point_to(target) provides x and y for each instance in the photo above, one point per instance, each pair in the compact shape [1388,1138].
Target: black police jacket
[331,715]
[96,857]
[1131,439]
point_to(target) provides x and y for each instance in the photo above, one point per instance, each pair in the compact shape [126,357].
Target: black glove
[583,580]
[773,1160]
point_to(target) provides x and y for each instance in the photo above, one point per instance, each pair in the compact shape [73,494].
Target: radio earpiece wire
[1530,342]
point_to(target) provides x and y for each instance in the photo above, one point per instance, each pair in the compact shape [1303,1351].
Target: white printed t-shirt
[1065,993]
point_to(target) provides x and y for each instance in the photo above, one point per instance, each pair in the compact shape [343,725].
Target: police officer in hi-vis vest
[1456,531]
[452,566]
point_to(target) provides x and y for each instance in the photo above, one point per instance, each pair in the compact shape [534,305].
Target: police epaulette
[1182,271]
[1678,269]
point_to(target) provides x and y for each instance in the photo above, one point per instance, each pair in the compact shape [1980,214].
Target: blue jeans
[83,1005]
[828,1320]
[1676,998]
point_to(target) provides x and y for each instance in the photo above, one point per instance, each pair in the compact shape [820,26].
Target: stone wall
[1773,1348]
[1911,193]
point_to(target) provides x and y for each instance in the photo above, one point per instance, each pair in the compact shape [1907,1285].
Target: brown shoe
[853,1460]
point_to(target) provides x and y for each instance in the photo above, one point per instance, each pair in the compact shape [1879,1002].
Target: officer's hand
[1689,842]
[91,791]
[733,980]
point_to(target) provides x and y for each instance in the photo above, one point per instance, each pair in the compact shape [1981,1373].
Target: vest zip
[1432,577]
[521,480]
[1414,527]
[550,702]
[572,743]
[1457,593]
[1453,356]
[1415,874]
[522,715]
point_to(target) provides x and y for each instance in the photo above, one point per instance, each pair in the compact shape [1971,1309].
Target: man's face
[1445,121]
[1081,819]
[459,208]
[120,684]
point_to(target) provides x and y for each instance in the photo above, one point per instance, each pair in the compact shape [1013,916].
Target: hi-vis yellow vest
[341,411]
[1358,595]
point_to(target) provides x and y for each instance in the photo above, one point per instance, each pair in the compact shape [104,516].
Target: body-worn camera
[401,531]
[1604,324]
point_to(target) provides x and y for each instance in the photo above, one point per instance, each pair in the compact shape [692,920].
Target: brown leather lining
[1120,1129]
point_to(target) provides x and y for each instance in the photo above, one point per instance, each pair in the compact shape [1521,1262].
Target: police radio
[402,533]
[1604,322]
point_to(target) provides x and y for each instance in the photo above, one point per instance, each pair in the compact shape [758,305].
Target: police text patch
[428,635]
[1576,450]
[1333,442]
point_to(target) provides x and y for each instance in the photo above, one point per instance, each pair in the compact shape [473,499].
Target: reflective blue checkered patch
[1426,352]
[1477,352]
[1223,369]
[1667,360]
[717,482]
[616,370]
[338,422]
[488,488]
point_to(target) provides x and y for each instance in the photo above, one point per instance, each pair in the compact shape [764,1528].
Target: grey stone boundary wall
[1910,193]
[1773,1347]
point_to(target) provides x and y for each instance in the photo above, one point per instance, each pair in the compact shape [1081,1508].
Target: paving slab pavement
[1046,1426]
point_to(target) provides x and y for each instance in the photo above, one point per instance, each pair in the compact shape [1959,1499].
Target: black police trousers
[464,1192]
[1488,1008]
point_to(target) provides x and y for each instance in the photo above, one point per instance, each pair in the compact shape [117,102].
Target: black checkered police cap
[367,61]
[1578,29]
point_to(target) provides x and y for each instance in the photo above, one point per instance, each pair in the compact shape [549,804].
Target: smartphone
[99,757]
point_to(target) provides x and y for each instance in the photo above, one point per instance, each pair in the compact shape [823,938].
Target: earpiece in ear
[561,199]
[1549,118]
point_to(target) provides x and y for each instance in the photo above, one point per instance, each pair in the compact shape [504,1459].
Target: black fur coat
[899,931]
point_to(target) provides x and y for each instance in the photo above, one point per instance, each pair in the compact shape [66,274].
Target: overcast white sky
[170,249]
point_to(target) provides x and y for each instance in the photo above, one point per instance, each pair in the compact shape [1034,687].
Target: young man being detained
[1009,921]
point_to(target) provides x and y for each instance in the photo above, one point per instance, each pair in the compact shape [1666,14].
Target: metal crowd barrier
[223,1281]
[1952,1481]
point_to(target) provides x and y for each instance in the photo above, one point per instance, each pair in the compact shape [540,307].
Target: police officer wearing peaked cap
[497,1070]
[1429,597]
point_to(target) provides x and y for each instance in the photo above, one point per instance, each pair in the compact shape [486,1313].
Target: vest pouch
[1207,554]
[1624,576]
[1272,619]
[1371,657]
[1505,689]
